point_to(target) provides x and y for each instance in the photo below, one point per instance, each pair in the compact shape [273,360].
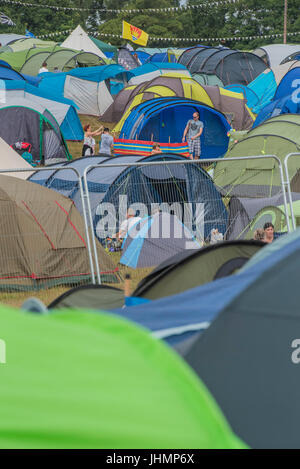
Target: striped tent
[123,146]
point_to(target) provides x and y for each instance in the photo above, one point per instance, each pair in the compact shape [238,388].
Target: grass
[16,299]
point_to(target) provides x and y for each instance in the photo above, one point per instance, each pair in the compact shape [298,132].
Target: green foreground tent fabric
[88,380]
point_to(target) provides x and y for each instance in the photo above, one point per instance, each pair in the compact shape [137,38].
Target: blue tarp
[164,120]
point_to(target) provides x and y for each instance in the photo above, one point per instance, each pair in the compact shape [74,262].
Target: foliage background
[244,18]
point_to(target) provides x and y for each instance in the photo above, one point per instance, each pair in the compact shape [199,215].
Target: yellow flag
[134,34]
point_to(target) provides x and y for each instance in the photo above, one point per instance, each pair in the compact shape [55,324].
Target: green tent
[190,269]
[260,178]
[28,43]
[30,61]
[85,380]
[103,46]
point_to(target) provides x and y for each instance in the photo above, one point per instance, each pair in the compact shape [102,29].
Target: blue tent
[184,184]
[164,120]
[55,82]
[143,56]
[284,105]
[249,94]
[8,73]
[70,126]
[162,57]
[264,87]
[289,83]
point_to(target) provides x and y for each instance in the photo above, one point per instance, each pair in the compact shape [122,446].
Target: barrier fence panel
[144,214]
[292,172]
[45,245]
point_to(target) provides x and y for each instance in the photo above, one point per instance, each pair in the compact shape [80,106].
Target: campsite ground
[48,295]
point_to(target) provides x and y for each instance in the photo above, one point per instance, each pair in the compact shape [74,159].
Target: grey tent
[249,356]
[155,239]
[231,66]
[190,269]
[274,54]
[34,125]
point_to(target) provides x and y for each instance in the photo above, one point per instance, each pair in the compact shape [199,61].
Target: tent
[284,105]
[190,268]
[34,125]
[27,43]
[10,159]
[8,73]
[245,215]
[62,109]
[265,85]
[274,54]
[6,39]
[258,328]
[43,239]
[292,57]
[87,87]
[155,239]
[29,61]
[89,297]
[152,70]
[164,120]
[289,83]
[232,67]
[108,49]
[233,105]
[182,185]
[206,79]
[79,40]
[260,178]
[126,59]
[91,378]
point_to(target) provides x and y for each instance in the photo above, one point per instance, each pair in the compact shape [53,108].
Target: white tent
[92,98]
[274,54]
[79,40]
[10,159]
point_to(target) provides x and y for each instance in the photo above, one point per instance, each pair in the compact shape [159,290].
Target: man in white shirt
[127,224]
[44,68]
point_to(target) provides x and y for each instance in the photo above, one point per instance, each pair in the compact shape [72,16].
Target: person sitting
[156,149]
[107,142]
[89,142]
[127,224]
[269,232]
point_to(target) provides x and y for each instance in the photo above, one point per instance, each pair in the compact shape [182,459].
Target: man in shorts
[193,132]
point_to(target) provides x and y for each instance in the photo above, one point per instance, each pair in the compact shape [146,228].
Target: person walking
[192,133]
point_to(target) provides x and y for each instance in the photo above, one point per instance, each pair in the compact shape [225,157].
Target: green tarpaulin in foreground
[87,380]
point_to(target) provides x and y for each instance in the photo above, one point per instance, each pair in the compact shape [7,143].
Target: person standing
[43,68]
[193,132]
[107,142]
[89,142]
